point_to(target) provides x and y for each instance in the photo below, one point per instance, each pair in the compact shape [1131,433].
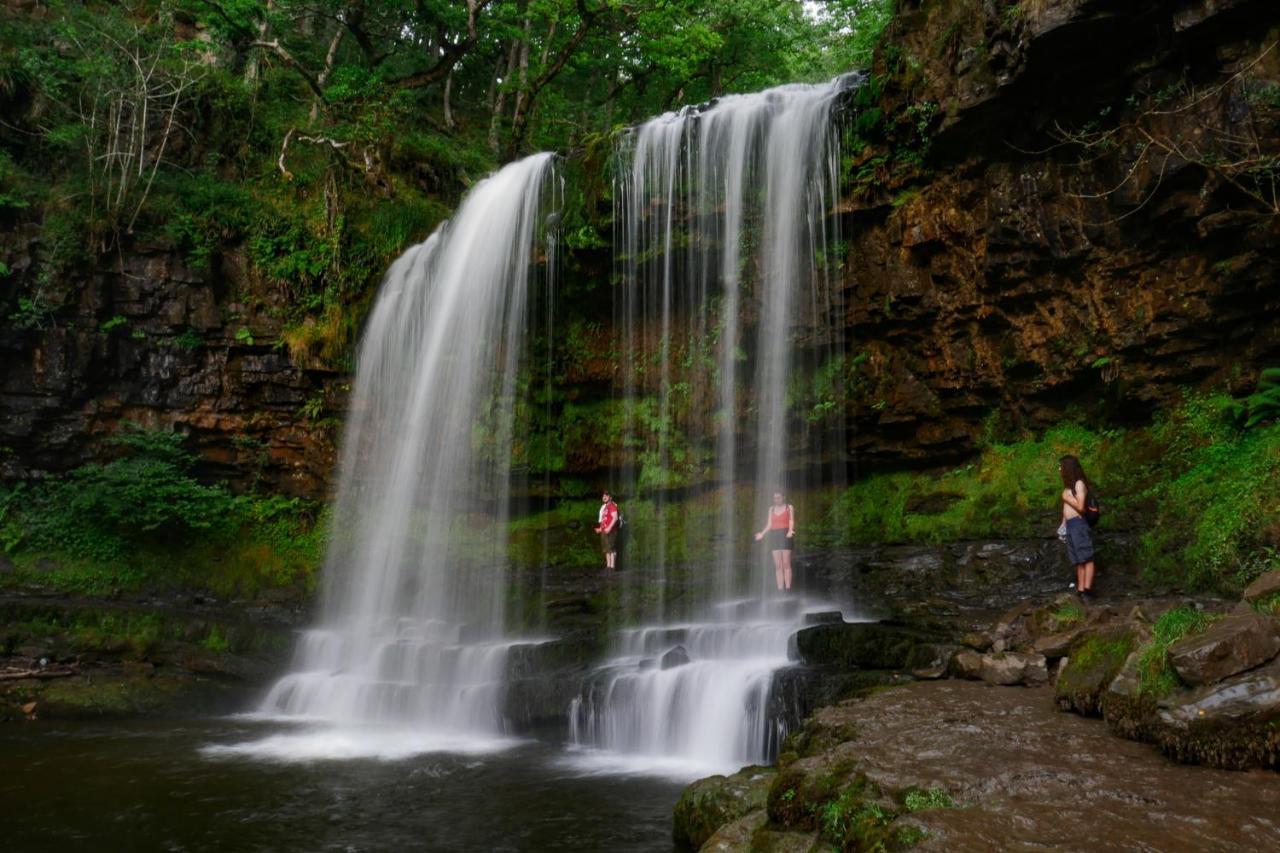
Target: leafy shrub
[99,511]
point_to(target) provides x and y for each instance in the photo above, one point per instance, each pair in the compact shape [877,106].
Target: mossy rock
[1234,724]
[804,787]
[710,804]
[1094,662]
[1129,711]
[862,645]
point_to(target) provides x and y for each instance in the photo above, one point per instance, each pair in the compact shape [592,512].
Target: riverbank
[75,657]
[986,759]
[960,765]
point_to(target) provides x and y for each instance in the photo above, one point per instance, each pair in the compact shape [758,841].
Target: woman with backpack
[1079,512]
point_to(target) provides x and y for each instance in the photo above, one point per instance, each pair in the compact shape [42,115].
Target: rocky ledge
[959,765]
[937,753]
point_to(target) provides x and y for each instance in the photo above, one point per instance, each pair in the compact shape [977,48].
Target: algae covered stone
[709,804]
[1095,661]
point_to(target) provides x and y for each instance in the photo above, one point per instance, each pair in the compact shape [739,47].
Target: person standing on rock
[1074,529]
[608,530]
[780,528]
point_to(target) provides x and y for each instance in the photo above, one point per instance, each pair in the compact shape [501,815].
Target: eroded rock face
[1233,644]
[148,338]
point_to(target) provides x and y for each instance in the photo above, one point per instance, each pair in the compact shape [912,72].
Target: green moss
[1067,614]
[1269,605]
[1156,678]
[934,798]
[1093,664]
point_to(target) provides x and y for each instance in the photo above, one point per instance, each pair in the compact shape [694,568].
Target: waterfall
[411,631]
[722,233]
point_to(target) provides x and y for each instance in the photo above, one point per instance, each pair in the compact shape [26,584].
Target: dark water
[148,786]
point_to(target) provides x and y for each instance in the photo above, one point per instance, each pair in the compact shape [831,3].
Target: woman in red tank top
[780,528]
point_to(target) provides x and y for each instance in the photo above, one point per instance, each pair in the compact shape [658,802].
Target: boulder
[1128,711]
[1056,645]
[1263,588]
[675,657]
[931,661]
[1229,646]
[859,645]
[1233,724]
[709,804]
[802,789]
[1011,626]
[1095,661]
[967,664]
[823,617]
[1010,668]
[737,835]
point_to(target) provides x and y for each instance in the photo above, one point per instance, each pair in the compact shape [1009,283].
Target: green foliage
[1156,676]
[1011,490]
[1263,405]
[143,519]
[934,798]
[1215,491]
[1204,494]
[1068,613]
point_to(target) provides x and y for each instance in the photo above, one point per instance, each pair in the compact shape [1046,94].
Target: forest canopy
[324,135]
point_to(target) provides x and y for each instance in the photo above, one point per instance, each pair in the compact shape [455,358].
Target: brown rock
[736,836]
[1056,645]
[29,708]
[1010,668]
[1233,724]
[1231,645]
[967,664]
[1264,587]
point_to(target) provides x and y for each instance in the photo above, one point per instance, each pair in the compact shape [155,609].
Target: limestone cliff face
[1066,204]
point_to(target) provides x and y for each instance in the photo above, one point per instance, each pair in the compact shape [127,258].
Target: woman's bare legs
[786,569]
[778,568]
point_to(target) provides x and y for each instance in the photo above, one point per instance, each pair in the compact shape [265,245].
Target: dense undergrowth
[143,520]
[1199,490]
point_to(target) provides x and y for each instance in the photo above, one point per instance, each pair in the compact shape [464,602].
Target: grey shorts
[1079,541]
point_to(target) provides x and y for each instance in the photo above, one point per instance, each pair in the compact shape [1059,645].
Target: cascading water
[722,218]
[411,632]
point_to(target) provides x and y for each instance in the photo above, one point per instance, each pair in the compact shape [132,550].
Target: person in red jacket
[780,528]
[608,530]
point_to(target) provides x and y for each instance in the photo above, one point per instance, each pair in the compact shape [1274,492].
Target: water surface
[140,786]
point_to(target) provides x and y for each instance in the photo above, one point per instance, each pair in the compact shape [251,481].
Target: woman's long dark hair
[1072,470]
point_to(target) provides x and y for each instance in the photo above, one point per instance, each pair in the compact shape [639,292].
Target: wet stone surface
[1028,778]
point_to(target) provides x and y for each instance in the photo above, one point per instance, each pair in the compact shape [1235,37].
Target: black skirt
[777,540]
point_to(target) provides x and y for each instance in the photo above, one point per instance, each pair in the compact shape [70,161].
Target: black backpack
[1092,512]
